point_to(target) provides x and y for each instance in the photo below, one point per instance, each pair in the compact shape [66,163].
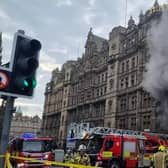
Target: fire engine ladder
[115,131]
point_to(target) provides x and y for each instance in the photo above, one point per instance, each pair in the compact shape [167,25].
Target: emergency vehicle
[28,145]
[154,141]
[109,149]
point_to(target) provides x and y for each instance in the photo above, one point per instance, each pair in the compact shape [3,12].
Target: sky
[62,27]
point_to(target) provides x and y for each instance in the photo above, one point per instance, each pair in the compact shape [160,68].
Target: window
[146,121]
[111,83]
[98,79]
[122,123]
[133,102]
[109,144]
[126,82]
[132,80]
[149,101]
[127,65]
[101,93]
[97,92]
[106,77]
[88,95]
[34,146]
[122,83]
[129,147]
[102,77]
[133,63]
[110,105]
[95,144]
[133,123]
[123,67]
[112,67]
[113,46]
[145,100]
[109,124]
[123,104]
[105,90]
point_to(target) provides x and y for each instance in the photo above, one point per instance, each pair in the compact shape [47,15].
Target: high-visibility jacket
[83,160]
[68,158]
[160,160]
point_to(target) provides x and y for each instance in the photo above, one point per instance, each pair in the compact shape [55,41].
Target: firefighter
[160,158]
[82,157]
[68,158]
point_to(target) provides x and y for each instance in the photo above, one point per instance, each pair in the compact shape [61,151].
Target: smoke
[156,77]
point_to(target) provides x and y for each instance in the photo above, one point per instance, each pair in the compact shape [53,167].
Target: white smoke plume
[156,77]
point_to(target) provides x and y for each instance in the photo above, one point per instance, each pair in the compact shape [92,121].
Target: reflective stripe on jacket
[83,160]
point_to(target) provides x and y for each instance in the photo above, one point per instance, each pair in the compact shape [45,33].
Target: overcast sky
[62,27]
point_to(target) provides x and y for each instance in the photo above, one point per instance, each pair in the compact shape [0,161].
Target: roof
[97,39]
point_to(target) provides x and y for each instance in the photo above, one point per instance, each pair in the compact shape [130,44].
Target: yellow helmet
[162,148]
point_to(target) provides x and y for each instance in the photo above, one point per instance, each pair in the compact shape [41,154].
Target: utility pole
[6,127]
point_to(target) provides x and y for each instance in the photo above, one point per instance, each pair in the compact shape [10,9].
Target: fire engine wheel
[115,164]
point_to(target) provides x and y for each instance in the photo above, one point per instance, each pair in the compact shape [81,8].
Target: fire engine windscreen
[95,145]
[36,146]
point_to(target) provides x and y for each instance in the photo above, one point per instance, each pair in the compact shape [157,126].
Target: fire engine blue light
[28,135]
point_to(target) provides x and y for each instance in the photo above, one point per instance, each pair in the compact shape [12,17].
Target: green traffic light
[26,84]
[34,83]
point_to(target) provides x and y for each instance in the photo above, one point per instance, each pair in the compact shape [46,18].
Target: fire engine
[128,148]
[110,149]
[28,145]
[154,141]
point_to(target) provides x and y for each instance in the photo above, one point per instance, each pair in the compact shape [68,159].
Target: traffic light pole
[6,128]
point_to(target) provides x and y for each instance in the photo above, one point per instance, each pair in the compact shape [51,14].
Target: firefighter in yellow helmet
[160,157]
[82,157]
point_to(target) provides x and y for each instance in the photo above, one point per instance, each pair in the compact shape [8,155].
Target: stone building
[21,124]
[104,86]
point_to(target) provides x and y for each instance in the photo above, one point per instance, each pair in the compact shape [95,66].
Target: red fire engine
[32,147]
[119,150]
[154,141]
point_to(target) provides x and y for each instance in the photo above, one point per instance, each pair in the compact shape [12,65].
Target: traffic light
[25,63]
